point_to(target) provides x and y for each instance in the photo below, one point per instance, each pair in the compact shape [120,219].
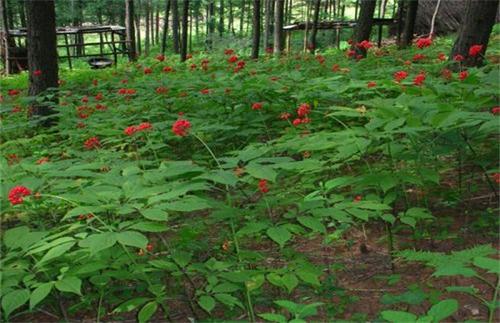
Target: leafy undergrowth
[304,188]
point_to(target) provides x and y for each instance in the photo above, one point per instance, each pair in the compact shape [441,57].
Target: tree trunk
[22,14]
[364,24]
[314,31]
[479,18]
[267,24]
[409,23]
[138,27]
[175,25]
[242,16]
[129,27]
[221,18]
[278,27]
[210,23]
[230,23]
[157,25]
[165,27]
[148,26]
[256,29]
[42,53]
[184,40]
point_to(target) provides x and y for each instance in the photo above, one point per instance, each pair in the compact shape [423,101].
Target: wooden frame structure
[112,37]
[337,25]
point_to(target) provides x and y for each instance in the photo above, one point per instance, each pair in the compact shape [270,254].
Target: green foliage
[216,219]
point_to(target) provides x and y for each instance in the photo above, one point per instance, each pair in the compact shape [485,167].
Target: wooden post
[68,53]
[115,56]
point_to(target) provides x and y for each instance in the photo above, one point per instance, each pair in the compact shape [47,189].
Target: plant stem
[492,307]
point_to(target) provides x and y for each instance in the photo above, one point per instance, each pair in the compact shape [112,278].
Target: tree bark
[175,25]
[22,14]
[409,23]
[267,23]
[184,41]
[242,16]
[256,29]
[210,23]
[129,29]
[148,26]
[157,25]
[314,30]
[42,54]
[221,18]
[165,27]
[138,27]
[230,23]
[479,18]
[278,27]
[364,24]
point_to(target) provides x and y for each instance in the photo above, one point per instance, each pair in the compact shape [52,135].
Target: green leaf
[13,300]
[443,309]
[398,316]
[408,220]
[99,241]
[308,276]
[360,214]
[261,171]
[182,258]
[70,284]
[290,281]
[149,227]
[55,252]
[488,264]
[226,288]
[130,305]
[280,235]
[255,282]
[132,238]
[228,300]
[272,317]
[312,223]
[40,293]
[147,311]
[207,303]
[12,236]
[189,203]
[155,214]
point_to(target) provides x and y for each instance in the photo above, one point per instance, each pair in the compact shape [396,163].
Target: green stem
[492,307]
[233,231]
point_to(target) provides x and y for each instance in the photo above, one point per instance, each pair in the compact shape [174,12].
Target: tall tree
[42,53]
[147,40]
[230,22]
[210,23]
[409,23]
[157,25]
[221,18]
[165,27]
[364,24]
[175,25]
[137,19]
[256,29]
[184,40]
[278,26]
[267,23]
[314,30]
[476,27]
[242,16]
[129,29]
